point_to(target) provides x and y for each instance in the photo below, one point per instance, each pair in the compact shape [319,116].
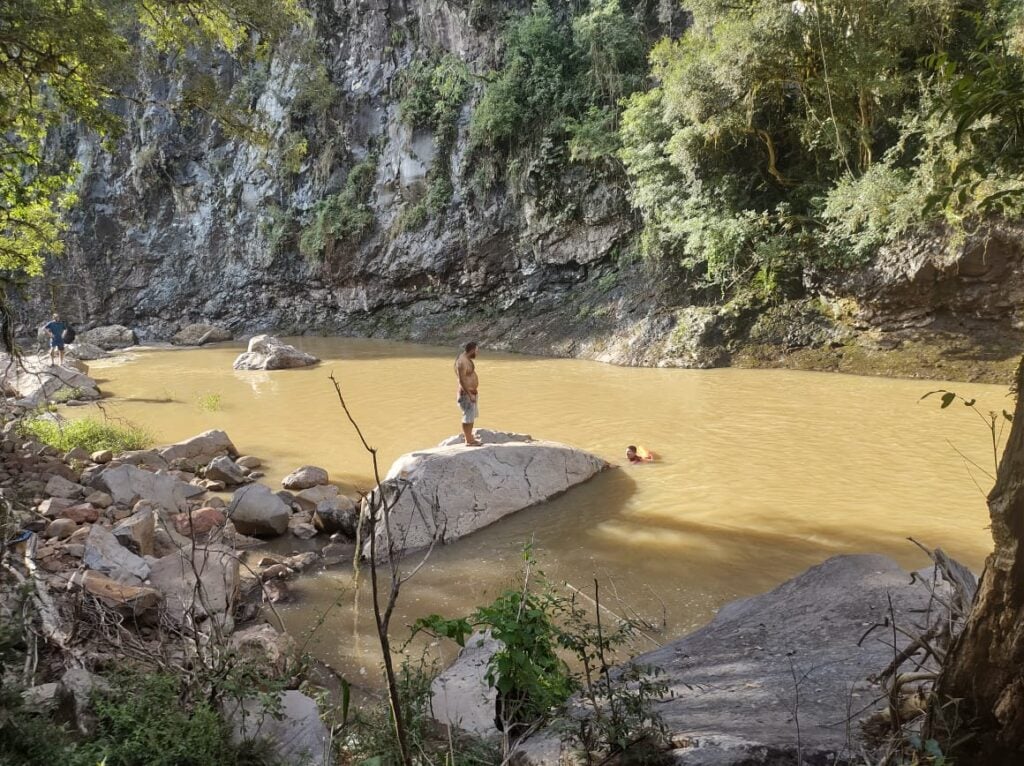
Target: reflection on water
[762,473]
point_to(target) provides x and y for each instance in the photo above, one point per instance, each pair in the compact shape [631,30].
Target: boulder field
[447,492]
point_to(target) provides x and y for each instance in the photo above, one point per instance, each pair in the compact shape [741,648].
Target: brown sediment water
[761,473]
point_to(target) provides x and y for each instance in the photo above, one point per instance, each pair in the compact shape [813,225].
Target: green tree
[763,111]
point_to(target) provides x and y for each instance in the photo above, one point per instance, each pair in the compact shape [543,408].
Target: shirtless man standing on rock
[465,369]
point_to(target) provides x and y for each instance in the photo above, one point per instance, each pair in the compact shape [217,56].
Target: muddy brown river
[761,474]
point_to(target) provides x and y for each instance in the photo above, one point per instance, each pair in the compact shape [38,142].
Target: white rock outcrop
[266,352]
[33,381]
[447,492]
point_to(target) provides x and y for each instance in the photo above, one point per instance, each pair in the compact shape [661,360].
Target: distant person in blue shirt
[56,329]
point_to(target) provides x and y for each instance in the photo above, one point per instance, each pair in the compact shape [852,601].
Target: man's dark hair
[471,346]
[631,447]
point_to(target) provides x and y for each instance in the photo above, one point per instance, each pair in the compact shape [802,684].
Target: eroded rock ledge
[772,679]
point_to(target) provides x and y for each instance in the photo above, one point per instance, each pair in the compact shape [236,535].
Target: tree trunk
[981,689]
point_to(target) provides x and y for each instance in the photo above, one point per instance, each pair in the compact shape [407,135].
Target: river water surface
[762,473]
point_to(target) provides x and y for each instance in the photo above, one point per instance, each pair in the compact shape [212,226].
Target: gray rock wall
[180,224]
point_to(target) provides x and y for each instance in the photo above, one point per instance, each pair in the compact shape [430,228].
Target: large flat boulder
[200,449]
[255,510]
[199,334]
[109,337]
[265,352]
[447,492]
[198,582]
[741,683]
[33,381]
[127,484]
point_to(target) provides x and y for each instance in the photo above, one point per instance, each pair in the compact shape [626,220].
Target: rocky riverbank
[134,561]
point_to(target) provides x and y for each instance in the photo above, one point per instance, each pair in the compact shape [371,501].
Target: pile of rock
[139,533]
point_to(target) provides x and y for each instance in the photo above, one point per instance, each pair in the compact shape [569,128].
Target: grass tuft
[90,434]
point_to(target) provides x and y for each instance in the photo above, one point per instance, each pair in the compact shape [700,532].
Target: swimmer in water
[636,454]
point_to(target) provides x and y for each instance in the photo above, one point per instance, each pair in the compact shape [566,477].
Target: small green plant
[294,150]
[65,395]
[210,402]
[619,702]
[89,434]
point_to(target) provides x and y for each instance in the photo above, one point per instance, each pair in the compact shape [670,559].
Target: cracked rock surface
[450,491]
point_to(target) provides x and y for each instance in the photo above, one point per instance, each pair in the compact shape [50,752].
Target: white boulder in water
[449,491]
[266,352]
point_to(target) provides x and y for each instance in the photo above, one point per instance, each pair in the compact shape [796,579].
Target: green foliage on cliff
[342,218]
[69,61]
[556,94]
[780,136]
[433,91]
[432,94]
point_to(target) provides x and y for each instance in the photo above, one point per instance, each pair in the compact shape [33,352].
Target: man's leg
[467,432]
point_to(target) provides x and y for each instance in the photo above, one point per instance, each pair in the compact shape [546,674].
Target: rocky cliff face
[182,222]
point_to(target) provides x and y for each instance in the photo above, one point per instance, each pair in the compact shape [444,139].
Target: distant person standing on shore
[56,329]
[468,397]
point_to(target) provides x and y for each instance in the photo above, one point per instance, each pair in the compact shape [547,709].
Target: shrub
[433,92]
[279,226]
[145,722]
[372,734]
[294,149]
[344,217]
[534,624]
[26,737]
[89,434]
